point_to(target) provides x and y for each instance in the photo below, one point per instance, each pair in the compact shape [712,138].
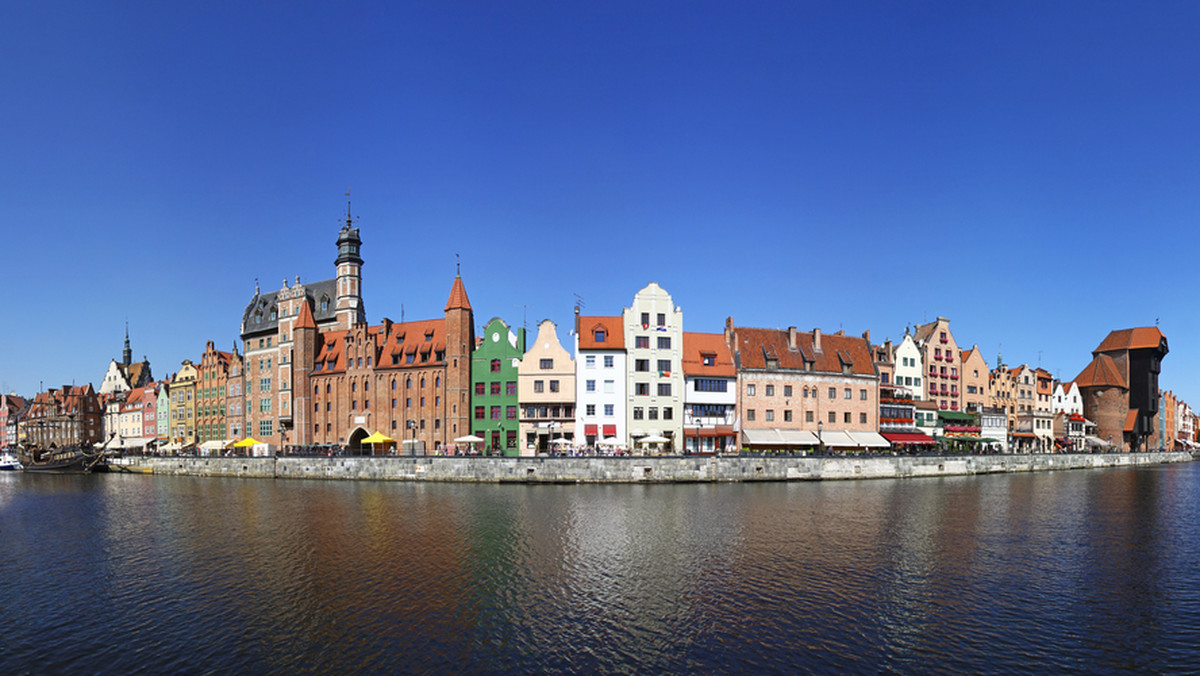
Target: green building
[494,366]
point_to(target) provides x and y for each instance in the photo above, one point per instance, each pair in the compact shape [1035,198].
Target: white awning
[869,440]
[215,445]
[778,437]
[838,439]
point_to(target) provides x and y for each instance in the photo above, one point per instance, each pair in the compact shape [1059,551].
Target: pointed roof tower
[127,354]
[305,319]
[458,295]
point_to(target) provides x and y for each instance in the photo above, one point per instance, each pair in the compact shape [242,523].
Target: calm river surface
[1092,571]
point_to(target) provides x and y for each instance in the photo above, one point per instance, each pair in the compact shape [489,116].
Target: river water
[1060,572]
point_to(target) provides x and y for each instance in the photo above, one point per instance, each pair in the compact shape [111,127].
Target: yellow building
[183,407]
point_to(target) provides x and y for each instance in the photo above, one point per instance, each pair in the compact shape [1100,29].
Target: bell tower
[349,308]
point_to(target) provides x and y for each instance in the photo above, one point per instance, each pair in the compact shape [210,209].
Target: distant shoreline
[684,469]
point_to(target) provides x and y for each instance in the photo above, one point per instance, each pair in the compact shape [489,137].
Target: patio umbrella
[247,442]
[378,438]
[655,439]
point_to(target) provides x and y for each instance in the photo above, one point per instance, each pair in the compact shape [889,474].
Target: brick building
[12,408]
[409,381]
[212,383]
[70,416]
[940,363]
[1120,386]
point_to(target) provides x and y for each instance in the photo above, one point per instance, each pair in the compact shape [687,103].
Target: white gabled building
[599,380]
[653,327]
[1067,398]
[907,367]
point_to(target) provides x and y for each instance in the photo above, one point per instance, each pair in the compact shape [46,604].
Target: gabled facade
[183,407]
[546,394]
[12,408]
[908,367]
[1120,385]
[126,374]
[940,361]
[975,381]
[162,412]
[710,394]
[600,394]
[65,417]
[495,368]
[653,327]
[212,383]
[1067,399]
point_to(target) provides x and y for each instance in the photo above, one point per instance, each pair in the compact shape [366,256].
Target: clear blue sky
[784,163]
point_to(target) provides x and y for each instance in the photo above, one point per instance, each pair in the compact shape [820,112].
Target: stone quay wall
[708,469]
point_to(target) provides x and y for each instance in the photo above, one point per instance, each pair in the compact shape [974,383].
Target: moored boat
[10,463]
[63,461]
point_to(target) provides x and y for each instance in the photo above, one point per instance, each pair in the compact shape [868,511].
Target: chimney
[387,329]
[867,335]
[729,332]
[817,340]
[792,338]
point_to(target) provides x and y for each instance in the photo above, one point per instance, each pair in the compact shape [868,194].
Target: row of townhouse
[311,371]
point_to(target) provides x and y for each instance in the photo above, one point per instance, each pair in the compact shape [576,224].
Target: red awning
[610,430]
[719,431]
[909,438]
[589,430]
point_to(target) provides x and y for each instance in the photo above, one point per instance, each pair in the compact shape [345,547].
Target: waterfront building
[126,374]
[129,417]
[235,397]
[1043,390]
[59,418]
[897,406]
[814,383]
[410,381]
[600,365]
[940,363]
[270,350]
[907,366]
[653,327]
[212,382]
[993,429]
[975,380]
[162,412]
[149,433]
[12,408]
[495,367]
[710,394]
[183,408]
[1067,399]
[546,393]
[1164,436]
[926,413]
[1034,429]
[1120,385]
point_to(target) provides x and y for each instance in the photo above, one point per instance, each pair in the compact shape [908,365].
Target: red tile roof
[614,333]
[305,319]
[1132,339]
[1131,419]
[1102,372]
[458,296]
[420,338]
[754,346]
[697,345]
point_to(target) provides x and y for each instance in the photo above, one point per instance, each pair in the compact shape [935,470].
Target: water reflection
[1067,571]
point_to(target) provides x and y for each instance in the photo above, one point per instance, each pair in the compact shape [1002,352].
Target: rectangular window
[847,393]
[265,427]
[832,417]
[645,319]
[652,413]
[787,390]
[862,394]
[608,361]
[641,365]
[590,361]
[495,389]
[710,385]
[590,410]
[750,414]
[664,389]
[642,389]
[668,413]
[545,364]
[480,413]
[637,413]
[664,366]
[553,385]
[588,385]
[608,410]
[642,342]
[480,389]
[770,390]
[608,386]
[749,389]
[833,393]
[539,386]
[510,388]
[862,418]
[264,405]
[495,413]
[708,359]
[846,416]
[511,413]
[769,415]
[664,342]
[787,416]
[599,335]
[808,416]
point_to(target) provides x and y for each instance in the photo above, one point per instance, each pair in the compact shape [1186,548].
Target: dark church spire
[127,354]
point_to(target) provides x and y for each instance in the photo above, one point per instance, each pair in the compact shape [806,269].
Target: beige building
[183,407]
[940,363]
[975,381]
[546,393]
[653,328]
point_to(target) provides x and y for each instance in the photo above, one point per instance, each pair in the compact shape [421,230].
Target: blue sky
[1029,170]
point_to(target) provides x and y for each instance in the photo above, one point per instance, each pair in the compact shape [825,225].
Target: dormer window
[709,359]
[600,335]
[274,315]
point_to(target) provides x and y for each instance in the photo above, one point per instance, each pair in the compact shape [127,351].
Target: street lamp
[412,425]
[820,440]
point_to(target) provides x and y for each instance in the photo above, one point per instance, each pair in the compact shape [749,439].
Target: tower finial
[127,354]
[349,220]
[457,266]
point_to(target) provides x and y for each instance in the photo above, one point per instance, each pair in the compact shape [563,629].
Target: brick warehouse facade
[1120,386]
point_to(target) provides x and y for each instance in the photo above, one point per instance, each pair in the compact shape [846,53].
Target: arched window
[393,383]
[422,382]
[408,383]
[353,386]
[316,389]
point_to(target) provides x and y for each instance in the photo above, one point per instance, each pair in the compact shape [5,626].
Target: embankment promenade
[707,469]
